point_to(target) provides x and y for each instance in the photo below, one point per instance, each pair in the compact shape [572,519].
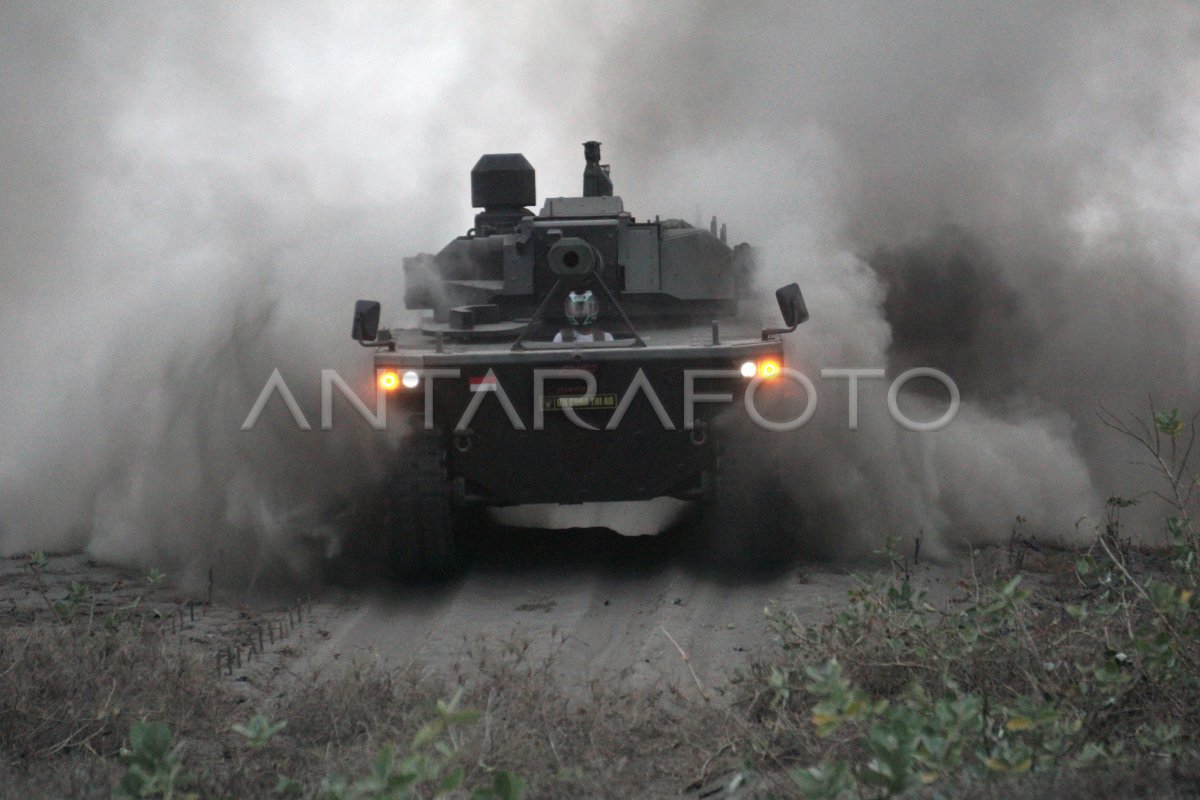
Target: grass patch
[125,708]
[1082,678]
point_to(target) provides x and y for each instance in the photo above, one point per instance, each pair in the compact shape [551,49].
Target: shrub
[897,695]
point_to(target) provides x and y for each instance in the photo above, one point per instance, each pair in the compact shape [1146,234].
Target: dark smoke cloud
[1010,191]
[947,304]
[195,196]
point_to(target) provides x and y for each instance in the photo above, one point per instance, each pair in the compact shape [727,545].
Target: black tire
[420,520]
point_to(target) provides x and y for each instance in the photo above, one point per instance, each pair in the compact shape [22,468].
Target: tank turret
[666,268]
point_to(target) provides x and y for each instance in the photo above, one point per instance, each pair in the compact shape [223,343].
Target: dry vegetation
[1072,674]
[1059,672]
[89,697]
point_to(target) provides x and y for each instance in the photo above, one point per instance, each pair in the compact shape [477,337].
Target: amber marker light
[388,380]
[768,369]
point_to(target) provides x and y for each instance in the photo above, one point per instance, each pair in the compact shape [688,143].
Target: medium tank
[576,354]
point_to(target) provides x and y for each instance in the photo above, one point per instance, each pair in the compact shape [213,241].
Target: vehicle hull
[634,440]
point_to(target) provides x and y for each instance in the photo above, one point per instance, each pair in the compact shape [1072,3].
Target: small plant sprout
[429,768]
[259,730]
[38,560]
[77,595]
[155,575]
[152,764]
[1168,422]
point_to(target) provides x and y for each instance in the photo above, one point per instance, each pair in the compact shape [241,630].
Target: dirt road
[621,648]
[632,613]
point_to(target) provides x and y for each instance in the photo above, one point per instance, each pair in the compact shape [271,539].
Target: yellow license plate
[600,401]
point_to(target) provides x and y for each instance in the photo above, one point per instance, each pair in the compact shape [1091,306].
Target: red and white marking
[483,383]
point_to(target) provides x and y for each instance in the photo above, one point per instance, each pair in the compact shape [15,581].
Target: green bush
[901,695]
[429,769]
[152,765]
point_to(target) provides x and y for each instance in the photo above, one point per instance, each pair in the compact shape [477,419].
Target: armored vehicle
[572,355]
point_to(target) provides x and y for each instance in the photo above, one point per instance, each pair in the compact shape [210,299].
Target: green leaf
[823,782]
[259,730]
[1168,422]
[1010,588]
[150,739]
[508,786]
[429,731]
[381,766]
[461,717]
[288,787]
[452,781]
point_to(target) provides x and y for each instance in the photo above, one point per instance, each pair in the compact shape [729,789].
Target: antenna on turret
[596,181]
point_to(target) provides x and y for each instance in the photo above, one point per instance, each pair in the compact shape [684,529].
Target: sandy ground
[632,613]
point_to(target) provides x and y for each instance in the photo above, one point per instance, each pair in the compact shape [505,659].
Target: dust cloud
[194,197]
[1002,193]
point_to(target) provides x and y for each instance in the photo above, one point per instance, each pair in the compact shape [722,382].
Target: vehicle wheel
[420,520]
[750,522]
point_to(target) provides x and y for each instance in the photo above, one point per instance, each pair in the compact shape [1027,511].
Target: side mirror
[366,321]
[791,305]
